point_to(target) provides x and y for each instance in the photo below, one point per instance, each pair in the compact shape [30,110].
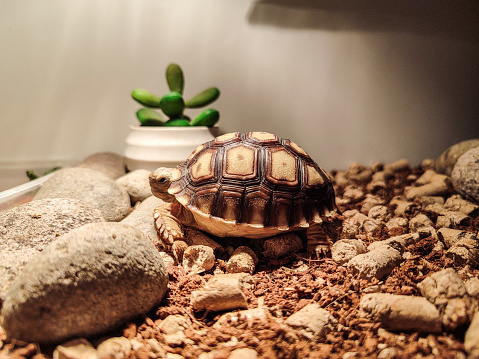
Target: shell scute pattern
[256,179]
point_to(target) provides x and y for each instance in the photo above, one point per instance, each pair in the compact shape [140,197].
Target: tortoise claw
[168,228]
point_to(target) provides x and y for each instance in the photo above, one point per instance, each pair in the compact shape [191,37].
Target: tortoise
[252,185]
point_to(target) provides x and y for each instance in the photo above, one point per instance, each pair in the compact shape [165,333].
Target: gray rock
[89,186]
[110,164]
[142,218]
[137,184]
[88,281]
[465,175]
[447,160]
[25,230]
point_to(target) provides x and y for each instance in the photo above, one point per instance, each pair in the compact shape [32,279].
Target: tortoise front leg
[167,225]
[169,229]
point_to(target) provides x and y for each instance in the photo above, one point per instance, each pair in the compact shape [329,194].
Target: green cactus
[173,103]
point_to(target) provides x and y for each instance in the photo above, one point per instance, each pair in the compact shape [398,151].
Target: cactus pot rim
[150,147]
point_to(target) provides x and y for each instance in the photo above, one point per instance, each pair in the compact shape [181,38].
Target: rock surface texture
[447,160]
[136,184]
[26,230]
[89,186]
[86,282]
[142,218]
[465,175]
[110,164]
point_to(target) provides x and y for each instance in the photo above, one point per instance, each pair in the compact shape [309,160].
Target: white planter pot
[150,147]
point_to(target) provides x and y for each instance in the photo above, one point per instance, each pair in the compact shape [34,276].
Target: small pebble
[451,236]
[472,286]
[422,225]
[255,316]
[455,314]
[378,181]
[114,348]
[243,353]
[402,312]
[312,321]
[378,212]
[76,349]
[441,286]
[243,260]
[397,242]
[222,292]
[403,207]
[173,324]
[375,264]
[198,259]
[471,339]
[457,203]
[390,169]
[439,187]
[345,249]
[464,252]
[397,225]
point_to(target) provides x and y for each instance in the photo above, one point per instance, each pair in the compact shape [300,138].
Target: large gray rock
[137,184]
[25,230]
[88,281]
[111,164]
[142,218]
[447,160]
[89,186]
[465,175]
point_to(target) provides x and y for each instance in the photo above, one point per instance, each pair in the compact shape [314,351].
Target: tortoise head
[160,181]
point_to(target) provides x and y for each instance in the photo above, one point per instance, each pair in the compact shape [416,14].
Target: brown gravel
[286,285]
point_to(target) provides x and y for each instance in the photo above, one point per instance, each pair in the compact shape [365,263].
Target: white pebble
[402,312]
[375,264]
[197,259]
[222,292]
[345,249]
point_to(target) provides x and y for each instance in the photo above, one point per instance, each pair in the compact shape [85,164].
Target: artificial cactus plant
[173,105]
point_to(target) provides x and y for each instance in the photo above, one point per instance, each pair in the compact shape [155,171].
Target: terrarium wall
[349,81]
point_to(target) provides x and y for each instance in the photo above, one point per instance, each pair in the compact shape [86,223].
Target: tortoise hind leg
[319,244]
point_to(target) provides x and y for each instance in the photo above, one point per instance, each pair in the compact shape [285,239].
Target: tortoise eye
[162,180]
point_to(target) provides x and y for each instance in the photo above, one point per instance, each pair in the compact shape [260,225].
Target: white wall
[347,80]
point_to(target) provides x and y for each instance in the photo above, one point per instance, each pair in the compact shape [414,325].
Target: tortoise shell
[252,185]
